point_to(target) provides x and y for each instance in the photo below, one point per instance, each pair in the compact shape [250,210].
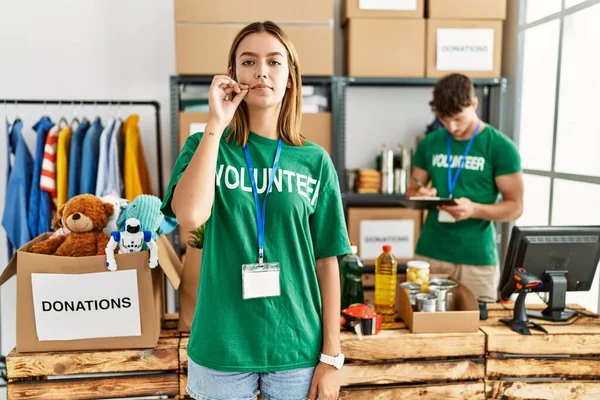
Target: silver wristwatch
[336,362]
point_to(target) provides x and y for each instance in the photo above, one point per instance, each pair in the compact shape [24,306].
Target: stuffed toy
[146,209]
[131,240]
[119,204]
[85,216]
[58,227]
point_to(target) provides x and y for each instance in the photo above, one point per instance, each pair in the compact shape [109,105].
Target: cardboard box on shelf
[315,127]
[75,303]
[386,47]
[371,228]
[257,10]
[473,48]
[466,9]
[465,318]
[203,48]
[384,9]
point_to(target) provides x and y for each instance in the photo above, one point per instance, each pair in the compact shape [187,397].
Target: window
[536,9]
[536,201]
[578,136]
[538,93]
[556,127]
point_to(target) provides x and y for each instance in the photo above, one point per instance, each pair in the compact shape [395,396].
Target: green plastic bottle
[386,269]
[351,271]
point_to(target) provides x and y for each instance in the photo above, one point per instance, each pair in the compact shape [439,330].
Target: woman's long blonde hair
[290,114]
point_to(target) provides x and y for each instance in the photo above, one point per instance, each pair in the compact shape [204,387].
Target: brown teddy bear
[84,216]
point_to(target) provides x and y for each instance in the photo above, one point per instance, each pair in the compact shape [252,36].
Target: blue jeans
[209,384]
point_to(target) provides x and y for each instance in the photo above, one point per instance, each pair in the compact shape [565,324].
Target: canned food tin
[426,302]
[412,289]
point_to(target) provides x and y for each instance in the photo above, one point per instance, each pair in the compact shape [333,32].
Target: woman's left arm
[326,379]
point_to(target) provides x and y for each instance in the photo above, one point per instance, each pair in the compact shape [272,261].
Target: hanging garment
[103,157]
[8,171]
[62,165]
[121,152]
[39,212]
[111,175]
[75,159]
[90,152]
[18,185]
[136,178]
[48,177]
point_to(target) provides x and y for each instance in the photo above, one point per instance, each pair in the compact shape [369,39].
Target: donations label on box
[465,49]
[85,306]
[397,233]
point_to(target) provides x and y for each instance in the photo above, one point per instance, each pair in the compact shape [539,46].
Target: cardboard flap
[10,270]
[169,262]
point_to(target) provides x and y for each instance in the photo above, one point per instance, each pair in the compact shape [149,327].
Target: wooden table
[493,363]
[562,365]
[80,375]
[396,364]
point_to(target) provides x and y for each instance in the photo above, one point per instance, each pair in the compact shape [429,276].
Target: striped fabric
[48,177]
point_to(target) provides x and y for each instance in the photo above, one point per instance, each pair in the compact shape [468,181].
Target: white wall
[92,49]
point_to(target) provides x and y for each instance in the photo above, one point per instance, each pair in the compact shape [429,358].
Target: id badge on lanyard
[444,216]
[261,279]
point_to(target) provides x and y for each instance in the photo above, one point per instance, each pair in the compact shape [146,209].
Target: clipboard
[427,203]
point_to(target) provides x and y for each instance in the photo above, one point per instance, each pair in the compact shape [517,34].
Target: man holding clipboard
[479,168]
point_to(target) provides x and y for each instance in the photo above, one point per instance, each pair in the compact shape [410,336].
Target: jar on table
[417,271]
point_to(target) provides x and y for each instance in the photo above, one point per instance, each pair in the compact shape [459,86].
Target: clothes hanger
[63,123]
[84,118]
[75,120]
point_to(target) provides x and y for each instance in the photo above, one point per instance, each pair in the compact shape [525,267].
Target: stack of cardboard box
[385,38]
[204,32]
[465,36]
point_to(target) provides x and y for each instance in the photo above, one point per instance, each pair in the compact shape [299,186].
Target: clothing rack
[69,102]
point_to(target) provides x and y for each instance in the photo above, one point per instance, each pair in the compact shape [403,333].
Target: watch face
[339,361]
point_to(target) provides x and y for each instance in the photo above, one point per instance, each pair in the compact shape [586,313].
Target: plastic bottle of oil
[385,286]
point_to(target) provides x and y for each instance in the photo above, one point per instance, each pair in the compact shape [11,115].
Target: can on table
[443,289]
[412,289]
[426,302]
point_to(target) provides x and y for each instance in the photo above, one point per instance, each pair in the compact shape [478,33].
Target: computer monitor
[563,258]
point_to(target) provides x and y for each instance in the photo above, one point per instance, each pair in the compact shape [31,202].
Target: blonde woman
[268,307]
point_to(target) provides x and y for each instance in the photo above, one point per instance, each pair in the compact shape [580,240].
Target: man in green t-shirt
[480,168]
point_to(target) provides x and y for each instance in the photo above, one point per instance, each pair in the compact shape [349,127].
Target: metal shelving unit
[492,111]
[492,106]
[178,83]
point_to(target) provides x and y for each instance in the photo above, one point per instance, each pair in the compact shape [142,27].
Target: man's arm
[509,209]
[511,206]
[418,184]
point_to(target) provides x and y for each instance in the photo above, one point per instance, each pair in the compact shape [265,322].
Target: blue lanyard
[452,182]
[260,215]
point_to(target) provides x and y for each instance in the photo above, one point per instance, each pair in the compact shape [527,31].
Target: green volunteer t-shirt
[304,222]
[472,241]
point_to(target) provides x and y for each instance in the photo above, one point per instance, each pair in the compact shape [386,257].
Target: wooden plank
[183,378]
[571,339]
[163,357]
[496,312]
[402,344]
[183,357]
[97,388]
[560,390]
[413,371]
[571,368]
[471,391]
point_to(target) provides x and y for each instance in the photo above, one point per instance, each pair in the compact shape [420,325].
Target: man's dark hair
[451,95]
